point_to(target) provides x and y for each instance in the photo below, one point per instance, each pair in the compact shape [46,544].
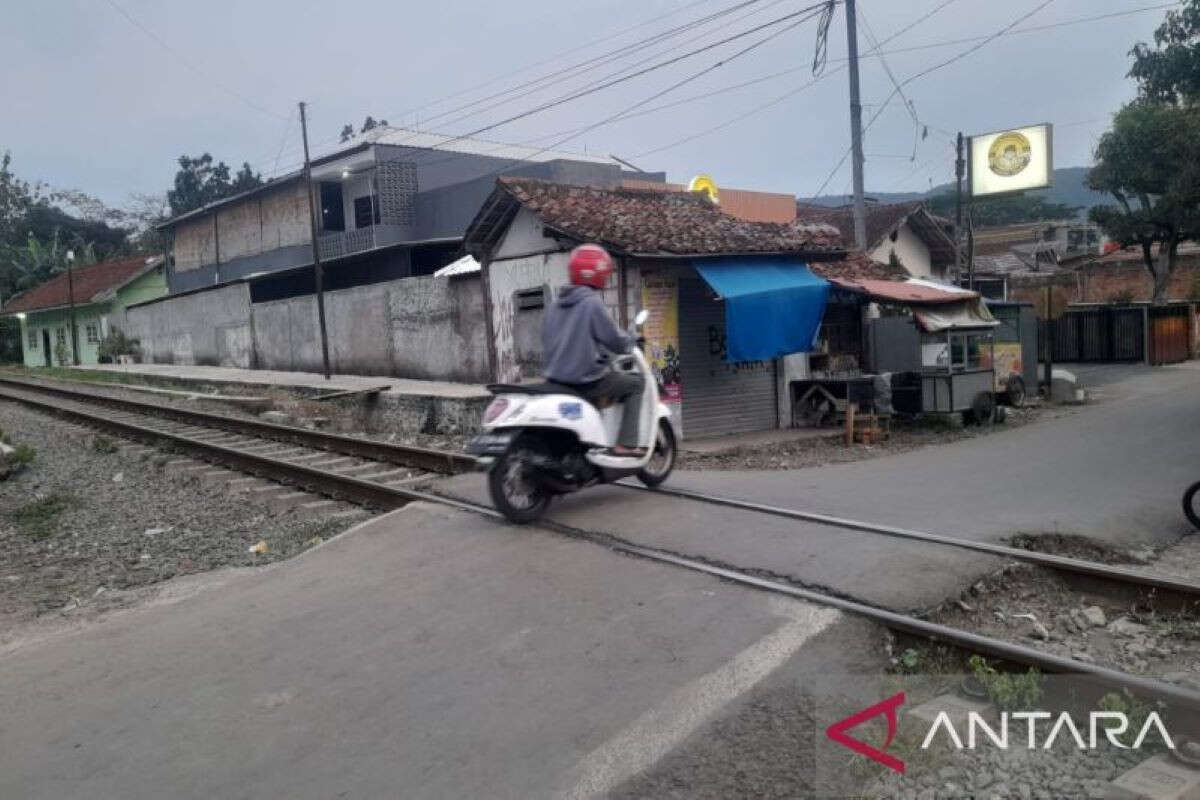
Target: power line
[883,42]
[189,63]
[811,12]
[588,64]
[953,59]
[660,65]
[1032,29]
[540,86]
[552,58]
[777,100]
[741,117]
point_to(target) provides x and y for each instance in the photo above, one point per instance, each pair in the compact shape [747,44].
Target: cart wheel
[982,408]
[1016,392]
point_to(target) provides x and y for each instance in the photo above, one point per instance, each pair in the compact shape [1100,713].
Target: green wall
[60,320]
[146,287]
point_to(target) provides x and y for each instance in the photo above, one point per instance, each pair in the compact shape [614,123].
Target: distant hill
[1068,188]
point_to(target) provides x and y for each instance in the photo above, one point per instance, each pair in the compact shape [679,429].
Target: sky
[104,95]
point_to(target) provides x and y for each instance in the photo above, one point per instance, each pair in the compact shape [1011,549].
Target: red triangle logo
[837,731]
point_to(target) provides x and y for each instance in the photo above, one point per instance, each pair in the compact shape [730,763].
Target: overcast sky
[93,102]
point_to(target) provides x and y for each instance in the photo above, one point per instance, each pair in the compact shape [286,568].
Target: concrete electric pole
[318,274]
[856,146]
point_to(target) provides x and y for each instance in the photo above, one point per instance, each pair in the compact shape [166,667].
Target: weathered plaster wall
[908,247]
[209,327]
[258,224]
[194,244]
[428,328]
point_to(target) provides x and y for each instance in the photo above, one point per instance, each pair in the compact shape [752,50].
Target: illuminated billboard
[1006,162]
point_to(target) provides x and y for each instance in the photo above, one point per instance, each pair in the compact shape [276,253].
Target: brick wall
[1104,282]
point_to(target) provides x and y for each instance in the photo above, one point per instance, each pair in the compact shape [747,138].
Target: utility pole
[71,303]
[856,146]
[318,274]
[960,165]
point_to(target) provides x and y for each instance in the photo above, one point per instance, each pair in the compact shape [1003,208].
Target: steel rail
[404,455]
[1165,583]
[335,484]
[391,497]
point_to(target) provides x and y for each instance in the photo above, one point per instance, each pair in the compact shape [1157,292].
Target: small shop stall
[909,346]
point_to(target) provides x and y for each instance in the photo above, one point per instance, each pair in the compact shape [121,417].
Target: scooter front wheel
[662,460]
[516,495]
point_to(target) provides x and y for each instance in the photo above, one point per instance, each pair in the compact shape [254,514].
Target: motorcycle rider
[578,335]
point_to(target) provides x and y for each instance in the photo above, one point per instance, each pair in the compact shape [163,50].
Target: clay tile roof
[882,219]
[858,266]
[88,281]
[649,222]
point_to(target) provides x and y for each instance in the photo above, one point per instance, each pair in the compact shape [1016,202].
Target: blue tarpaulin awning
[773,306]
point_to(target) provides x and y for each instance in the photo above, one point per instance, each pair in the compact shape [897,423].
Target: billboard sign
[1007,162]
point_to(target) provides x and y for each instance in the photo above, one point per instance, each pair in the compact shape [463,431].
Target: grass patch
[104,445]
[37,520]
[23,455]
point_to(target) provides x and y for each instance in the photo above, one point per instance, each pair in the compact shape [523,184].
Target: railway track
[379,474]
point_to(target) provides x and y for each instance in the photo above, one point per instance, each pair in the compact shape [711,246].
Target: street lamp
[71,301]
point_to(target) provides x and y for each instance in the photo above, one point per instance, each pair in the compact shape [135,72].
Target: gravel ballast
[86,523]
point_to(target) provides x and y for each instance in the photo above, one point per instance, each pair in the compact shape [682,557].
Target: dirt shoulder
[87,524]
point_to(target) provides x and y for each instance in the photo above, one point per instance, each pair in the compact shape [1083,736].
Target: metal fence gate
[1095,334]
[1169,330]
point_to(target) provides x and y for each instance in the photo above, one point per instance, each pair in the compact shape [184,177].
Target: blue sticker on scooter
[570,410]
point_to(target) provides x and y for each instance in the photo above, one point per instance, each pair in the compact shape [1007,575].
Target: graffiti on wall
[718,351]
[660,296]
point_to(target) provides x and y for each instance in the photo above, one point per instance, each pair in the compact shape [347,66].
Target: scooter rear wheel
[1191,504]
[662,460]
[515,495]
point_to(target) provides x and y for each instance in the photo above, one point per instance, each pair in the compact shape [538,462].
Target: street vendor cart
[956,376]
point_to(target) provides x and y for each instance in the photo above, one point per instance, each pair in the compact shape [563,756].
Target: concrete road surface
[429,654]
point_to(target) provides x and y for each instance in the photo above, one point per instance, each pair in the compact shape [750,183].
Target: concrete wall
[908,247]
[208,327]
[428,328]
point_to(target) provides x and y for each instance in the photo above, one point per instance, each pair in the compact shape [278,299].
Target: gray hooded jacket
[575,328]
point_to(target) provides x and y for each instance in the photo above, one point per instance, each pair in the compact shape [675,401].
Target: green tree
[1150,163]
[1169,72]
[1150,160]
[370,123]
[199,182]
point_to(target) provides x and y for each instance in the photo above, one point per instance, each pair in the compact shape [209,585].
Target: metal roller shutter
[718,397]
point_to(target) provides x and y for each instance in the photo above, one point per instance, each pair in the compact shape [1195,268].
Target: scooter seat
[545,387]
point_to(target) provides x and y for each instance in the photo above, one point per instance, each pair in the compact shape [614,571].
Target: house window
[529,306]
[333,216]
[60,336]
[32,337]
[363,208]
[93,333]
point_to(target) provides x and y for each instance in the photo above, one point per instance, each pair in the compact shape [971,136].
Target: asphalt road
[428,654]
[434,654]
[1115,470]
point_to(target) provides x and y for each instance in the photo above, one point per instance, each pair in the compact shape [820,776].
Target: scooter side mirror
[641,317]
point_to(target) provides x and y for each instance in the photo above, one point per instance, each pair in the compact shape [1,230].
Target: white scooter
[540,440]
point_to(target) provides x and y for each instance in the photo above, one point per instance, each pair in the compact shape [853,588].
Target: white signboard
[1011,161]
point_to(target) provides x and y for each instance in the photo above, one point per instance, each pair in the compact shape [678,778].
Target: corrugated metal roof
[425,140]
[910,291]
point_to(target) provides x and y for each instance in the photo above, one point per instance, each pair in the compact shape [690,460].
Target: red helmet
[590,266]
